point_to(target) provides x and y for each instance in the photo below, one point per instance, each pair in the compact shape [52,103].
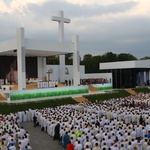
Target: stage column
[44,67]
[21,59]
[76,63]
[41,67]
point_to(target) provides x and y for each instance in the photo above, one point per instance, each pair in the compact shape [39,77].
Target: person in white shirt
[78,146]
[96,147]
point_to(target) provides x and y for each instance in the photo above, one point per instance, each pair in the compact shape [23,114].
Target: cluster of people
[12,135]
[47,84]
[95,81]
[138,103]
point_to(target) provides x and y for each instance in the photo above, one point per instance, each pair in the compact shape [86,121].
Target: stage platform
[11,94]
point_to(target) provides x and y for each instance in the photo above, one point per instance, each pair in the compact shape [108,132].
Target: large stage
[32,93]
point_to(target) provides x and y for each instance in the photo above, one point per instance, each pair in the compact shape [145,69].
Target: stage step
[131,91]
[2,98]
[92,88]
[80,99]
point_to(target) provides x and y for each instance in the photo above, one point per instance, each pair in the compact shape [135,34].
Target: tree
[91,63]
[69,59]
[126,57]
[87,57]
[109,57]
[144,58]
[53,60]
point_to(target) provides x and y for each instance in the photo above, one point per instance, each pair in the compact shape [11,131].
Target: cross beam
[61,20]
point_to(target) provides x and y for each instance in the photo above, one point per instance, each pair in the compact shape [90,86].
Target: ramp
[28,86]
[60,84]
[15,87]
[31,86]
[2,98]
[92,88]
[80,99]
[131,91]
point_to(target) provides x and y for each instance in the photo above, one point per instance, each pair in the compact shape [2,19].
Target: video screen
[8,68]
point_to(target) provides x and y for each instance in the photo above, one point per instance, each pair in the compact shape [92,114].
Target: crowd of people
[109,125]
[116,124]
[47,84]
[12,135]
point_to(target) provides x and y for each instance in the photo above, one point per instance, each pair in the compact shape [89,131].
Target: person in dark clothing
[57,132]
[34,120]
[66,140]
[97,123]
[141,120]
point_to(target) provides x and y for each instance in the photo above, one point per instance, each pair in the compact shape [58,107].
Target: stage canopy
[23,47]
[35,48]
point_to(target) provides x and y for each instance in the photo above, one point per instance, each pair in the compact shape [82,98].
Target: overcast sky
[118,26]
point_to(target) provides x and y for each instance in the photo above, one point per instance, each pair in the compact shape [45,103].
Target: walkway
[39,139]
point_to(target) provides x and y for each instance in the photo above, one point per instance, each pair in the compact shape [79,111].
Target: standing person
[66,140]
[70,146]
[34,120]
[57,132]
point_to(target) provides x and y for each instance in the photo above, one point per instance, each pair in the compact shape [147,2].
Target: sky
[118,26]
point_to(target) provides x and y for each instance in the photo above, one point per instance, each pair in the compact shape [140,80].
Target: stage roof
[125,64]
[36,48]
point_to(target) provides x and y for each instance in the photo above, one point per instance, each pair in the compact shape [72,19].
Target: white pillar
[41,62]
[40,67]
[44,67]
[76,61]
[62,68]
[149,77]
[21,59]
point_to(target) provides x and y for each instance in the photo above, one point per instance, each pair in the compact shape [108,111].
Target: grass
[6,108]
[142,90]
[107,96]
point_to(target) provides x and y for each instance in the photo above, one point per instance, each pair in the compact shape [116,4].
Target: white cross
[61,20]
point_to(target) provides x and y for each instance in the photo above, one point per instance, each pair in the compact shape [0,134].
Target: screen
[8,68]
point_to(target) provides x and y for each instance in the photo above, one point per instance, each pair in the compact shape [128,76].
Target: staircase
[2,98]
[80,99]
[131,91]
[92,88]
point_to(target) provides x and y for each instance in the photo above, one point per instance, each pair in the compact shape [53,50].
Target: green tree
[52,60]
[87,57]
[144,58]
[69,59]
[109,57]
[91,63]
[126,57]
